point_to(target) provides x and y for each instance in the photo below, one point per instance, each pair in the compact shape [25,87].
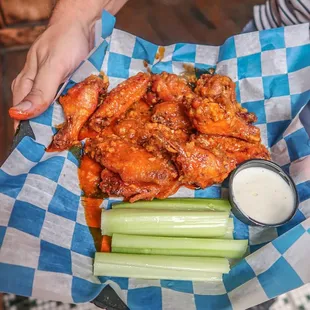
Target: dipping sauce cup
[262,194]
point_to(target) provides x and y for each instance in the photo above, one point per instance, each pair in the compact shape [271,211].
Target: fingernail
[23,106]
[19,112]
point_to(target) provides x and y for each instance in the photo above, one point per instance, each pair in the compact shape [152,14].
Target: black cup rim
[275,168]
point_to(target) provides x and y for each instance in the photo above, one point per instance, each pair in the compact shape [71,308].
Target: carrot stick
[106,244]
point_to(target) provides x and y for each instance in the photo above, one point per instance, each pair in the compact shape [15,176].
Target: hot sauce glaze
[89,178]
[92,211]
[87,133]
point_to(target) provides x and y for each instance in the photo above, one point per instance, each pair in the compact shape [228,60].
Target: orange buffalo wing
[154,133]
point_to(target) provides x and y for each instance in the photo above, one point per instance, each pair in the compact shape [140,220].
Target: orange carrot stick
[106,244]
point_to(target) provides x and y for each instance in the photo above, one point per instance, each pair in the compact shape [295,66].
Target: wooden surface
[22,11]
[21,21]
[160,21]
[10,64]
[191,21]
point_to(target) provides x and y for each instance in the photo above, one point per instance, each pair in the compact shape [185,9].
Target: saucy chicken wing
[173,115]
[154,133]
[159,137]
[220,117]
[151,176]
[78,104]
[132,126]
[216,85]
[112,184]
[167,87]
[199,166]
[119,100]
[236,149]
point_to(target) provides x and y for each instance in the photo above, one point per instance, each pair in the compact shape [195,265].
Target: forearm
[85,11]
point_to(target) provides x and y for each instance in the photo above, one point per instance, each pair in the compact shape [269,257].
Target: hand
[56,53]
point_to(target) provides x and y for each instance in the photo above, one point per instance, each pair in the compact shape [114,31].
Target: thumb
[43,92]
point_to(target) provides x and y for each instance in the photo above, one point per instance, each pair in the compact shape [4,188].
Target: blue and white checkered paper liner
[46,248]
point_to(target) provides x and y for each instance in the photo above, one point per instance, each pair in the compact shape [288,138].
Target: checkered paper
[46,249]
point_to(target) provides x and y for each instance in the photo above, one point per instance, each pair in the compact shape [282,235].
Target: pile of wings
[156,132]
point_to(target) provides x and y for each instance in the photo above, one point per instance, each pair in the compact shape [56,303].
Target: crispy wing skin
[248,117]
[119,100]
[150,175]
[173,115]
[159,137]
[132,126]
[220,118]
[78,105]
[215,86]
[216,112]
[167,87]
[199,166]
[112,184]
[236,149]
[169,122]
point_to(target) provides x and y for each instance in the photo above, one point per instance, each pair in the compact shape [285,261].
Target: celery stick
[160,266]
[111,270]
[178,246]
[229,234]
[164,223]
[176,252]
[196,204]
[209,264]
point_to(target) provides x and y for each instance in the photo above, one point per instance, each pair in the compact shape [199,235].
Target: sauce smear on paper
[161,53]
[89,177]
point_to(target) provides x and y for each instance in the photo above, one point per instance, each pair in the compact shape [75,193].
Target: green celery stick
[160,267]
[164,223]
[178,246]
[195,204]
[229,234]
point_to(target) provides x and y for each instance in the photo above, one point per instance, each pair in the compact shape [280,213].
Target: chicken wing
[173,115]
[215,111]
[214,86]
[132,126]
[236,149]
[199,166]
[167,87]
[220,118]
[112,184]
[78,104]
[159,137]
[119,100]
[153,134]
[150,176]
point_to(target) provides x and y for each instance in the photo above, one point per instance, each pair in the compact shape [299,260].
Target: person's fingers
[23,83]
[40,96]
[21,86]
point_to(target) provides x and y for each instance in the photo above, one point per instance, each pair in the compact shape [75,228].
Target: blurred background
[160,21]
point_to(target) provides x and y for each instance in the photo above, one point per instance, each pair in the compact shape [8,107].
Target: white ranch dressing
[263,195]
